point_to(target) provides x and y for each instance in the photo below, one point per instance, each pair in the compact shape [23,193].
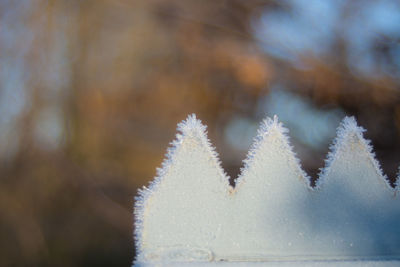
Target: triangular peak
[270,193]
[271,151]
[192,130]
[351,160]
[191,139]
[184,196]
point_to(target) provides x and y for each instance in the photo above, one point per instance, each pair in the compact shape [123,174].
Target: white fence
[191,213]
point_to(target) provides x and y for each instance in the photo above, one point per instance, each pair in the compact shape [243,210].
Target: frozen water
[190,213]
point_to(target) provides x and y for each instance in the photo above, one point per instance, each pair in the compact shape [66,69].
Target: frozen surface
[182,213]
[189,213]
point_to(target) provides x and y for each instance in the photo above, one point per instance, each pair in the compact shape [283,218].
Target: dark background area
[91,92]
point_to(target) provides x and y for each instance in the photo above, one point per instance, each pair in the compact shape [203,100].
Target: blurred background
[91,92]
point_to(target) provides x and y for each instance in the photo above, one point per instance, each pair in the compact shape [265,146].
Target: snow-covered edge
[189,127]
[193,125]
[348,126]
[266,127]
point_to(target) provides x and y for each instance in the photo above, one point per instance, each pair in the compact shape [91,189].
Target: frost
[271,180]
[183,206]
[190,213]
[351,143]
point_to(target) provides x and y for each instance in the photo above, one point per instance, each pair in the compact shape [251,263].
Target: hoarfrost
[190,213]
[183,206]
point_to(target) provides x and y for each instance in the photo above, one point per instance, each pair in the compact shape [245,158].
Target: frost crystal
[190,213]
